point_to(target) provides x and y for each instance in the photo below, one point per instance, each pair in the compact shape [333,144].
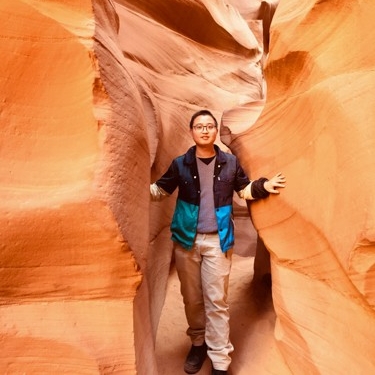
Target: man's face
[204,131]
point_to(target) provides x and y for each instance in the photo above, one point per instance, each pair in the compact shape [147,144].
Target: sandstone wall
[93,110]
[317,127]
[68,276]
[195,55]
[95,102]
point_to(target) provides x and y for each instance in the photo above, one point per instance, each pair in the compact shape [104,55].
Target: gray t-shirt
[206,219]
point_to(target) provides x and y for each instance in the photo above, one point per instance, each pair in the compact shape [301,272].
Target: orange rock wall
[68,277]
[317,127]
[179,68]
[95,102]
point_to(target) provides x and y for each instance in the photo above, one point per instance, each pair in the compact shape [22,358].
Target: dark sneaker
[219,372]
[195,359]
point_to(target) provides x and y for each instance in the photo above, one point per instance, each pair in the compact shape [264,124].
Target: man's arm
[262,187]
[166,185]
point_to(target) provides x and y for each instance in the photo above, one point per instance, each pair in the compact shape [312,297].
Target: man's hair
[203,112]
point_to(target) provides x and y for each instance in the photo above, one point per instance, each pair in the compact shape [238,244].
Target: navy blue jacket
[228,177]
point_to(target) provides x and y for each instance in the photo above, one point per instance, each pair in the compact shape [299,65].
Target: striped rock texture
[95,101]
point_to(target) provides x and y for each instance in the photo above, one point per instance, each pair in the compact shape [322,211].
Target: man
[203,233]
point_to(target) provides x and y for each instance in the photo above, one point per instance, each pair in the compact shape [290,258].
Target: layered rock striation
[95,102]
[317,127]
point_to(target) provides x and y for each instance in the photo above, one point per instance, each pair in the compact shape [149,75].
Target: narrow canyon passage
[252,319]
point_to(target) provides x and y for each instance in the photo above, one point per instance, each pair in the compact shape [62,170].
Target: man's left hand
[277,181]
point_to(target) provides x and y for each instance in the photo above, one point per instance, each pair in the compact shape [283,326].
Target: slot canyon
[96,99]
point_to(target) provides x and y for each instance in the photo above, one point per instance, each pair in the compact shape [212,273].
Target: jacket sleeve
[169,181]
[254,190]
[241,180]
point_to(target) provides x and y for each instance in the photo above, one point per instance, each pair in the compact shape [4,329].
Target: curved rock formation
[96,98]
[317,127]
[68,277]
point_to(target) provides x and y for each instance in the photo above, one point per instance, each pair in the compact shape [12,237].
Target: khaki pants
[204,276]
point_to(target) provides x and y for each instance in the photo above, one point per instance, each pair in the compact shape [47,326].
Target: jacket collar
[190,155]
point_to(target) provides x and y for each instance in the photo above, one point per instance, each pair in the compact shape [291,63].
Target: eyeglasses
[200,128]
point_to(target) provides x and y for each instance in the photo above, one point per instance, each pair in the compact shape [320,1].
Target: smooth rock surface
[95,102]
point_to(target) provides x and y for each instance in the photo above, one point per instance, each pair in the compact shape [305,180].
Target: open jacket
[228,177]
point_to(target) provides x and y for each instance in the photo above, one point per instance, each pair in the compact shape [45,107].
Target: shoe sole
[193,370]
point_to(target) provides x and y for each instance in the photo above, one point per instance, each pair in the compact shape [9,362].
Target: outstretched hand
[277,181]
